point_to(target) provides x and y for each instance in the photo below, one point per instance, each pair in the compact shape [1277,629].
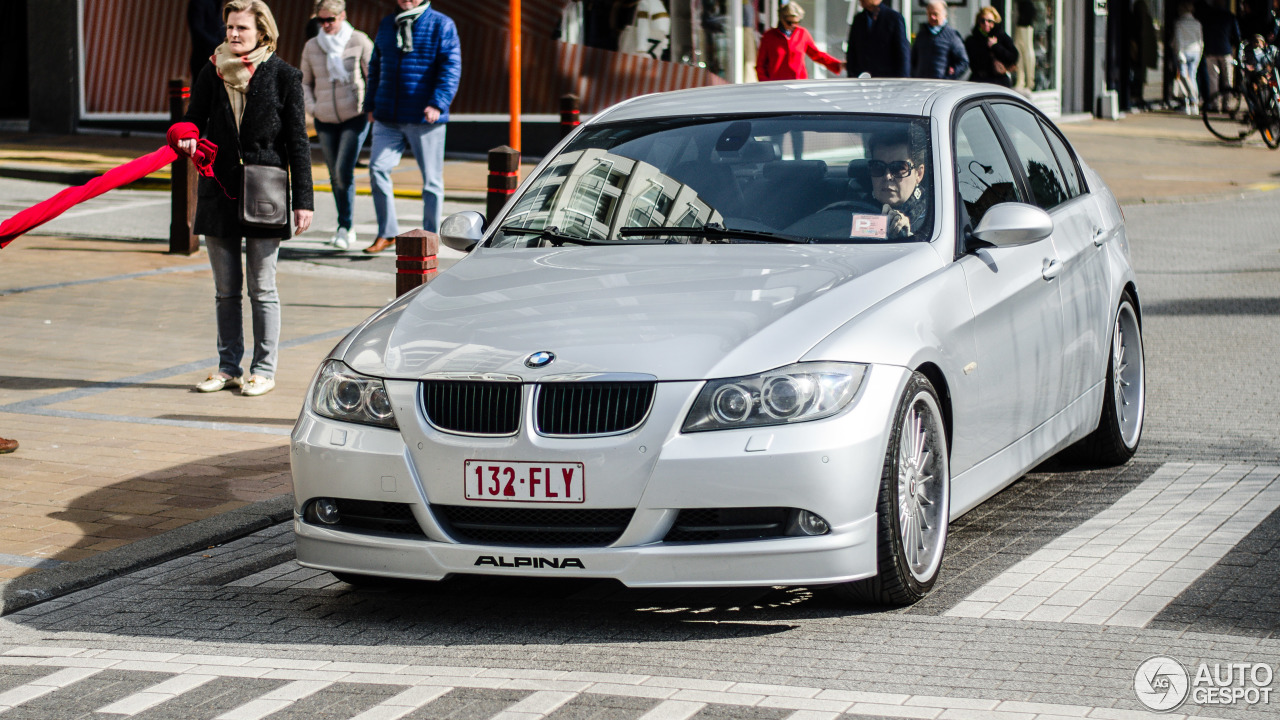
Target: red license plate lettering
[501,480]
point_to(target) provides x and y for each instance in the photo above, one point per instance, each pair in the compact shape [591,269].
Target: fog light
[326,511]
[811,524]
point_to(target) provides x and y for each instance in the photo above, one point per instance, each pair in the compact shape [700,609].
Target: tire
[1226,115]
[1120,426]
[1270,122]
[913,506]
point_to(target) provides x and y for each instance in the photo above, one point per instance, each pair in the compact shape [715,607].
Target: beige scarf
[236,71]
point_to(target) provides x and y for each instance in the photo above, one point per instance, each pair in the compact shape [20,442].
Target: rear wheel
[1120,427]
[1226,114]
[914,503]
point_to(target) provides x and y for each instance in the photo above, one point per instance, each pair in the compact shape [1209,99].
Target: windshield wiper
[549,233]
[713,231]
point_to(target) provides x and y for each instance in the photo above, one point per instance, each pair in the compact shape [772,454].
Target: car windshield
[838,178]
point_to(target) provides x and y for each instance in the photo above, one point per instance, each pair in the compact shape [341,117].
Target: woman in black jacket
[992,53]
[249,103]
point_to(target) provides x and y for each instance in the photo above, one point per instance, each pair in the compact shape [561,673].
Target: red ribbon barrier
[131,171]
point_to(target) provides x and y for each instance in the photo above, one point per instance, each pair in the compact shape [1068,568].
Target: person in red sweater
[783,49]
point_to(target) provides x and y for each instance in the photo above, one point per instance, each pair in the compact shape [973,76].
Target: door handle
[1099,237]
[1052,268]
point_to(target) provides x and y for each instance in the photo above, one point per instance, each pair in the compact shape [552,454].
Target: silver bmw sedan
[766,334]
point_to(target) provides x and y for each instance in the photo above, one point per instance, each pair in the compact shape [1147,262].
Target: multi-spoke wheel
[914,503]
[1227,116]
[1120,427]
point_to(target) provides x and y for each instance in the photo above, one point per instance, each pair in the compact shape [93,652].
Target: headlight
[343,394]
[795,393]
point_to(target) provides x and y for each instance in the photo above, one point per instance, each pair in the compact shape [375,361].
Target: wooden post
[504,176]
[182,184]
[415,259]
[569,114]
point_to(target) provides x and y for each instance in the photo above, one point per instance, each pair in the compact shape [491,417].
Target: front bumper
[831,467]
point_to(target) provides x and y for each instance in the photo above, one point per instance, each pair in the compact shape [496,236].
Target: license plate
[524,481]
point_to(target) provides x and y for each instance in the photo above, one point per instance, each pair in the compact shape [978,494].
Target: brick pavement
[96,383]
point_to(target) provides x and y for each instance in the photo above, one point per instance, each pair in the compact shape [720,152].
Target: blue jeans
[389,143]
[264,302]
[341,143]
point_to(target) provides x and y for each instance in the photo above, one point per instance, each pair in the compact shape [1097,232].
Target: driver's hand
[899,224]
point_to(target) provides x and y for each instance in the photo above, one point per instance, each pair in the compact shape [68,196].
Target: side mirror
[1012,224]
[461,231]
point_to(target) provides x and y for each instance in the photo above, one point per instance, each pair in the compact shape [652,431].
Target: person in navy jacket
[938,52]
[413,76]
[878,42]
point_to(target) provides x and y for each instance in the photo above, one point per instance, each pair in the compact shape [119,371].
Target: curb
[45,585]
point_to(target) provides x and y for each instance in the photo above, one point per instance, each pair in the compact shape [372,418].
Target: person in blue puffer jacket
[413,76]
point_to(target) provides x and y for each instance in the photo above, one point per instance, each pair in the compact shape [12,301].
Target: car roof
[888,97]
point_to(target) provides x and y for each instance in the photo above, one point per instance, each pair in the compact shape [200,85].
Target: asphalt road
[1052,595]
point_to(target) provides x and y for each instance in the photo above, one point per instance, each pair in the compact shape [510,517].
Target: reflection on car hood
[674,312]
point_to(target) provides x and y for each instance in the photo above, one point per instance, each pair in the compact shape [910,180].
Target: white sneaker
[257,385]
[341,239]
[216,382]
[351,237]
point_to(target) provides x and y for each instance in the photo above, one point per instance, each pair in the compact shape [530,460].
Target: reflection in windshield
[817,178]
[592,193]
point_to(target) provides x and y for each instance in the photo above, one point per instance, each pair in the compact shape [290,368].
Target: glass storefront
[721,35]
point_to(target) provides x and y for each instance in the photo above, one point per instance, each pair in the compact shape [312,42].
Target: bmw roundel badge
[542,358]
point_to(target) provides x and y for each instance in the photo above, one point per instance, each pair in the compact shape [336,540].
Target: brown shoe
[7,446]
[379,245]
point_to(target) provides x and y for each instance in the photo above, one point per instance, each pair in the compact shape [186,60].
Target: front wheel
[914,503]
[1226,115]
[1120,427]
[1269,124]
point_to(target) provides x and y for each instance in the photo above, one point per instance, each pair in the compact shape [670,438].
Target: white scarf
[404,27]
[333,46]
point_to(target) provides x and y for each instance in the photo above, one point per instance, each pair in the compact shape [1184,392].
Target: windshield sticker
[870,226]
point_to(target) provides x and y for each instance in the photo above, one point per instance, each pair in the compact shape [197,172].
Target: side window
[1066,159]
[1041,165]
[983,175]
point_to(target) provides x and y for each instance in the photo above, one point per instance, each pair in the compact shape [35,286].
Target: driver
[897,167]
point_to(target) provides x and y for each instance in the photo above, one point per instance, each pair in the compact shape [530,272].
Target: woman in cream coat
[334,66]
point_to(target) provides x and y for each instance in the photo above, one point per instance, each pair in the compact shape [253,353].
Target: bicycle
[1251,103]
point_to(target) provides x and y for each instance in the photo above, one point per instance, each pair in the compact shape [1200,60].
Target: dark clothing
[983,57]
[403,85]
[272,131]
[1221,31]
[204,21]
[878,45]
[941,56]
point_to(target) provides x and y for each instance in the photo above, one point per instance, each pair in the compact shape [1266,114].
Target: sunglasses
[327,20]
[898,168]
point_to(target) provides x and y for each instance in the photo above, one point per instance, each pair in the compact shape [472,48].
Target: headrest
[859,173]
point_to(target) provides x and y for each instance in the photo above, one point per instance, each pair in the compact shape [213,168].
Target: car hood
[674,312]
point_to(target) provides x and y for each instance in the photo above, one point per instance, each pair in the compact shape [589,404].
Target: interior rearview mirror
[1012,224]
[461,231]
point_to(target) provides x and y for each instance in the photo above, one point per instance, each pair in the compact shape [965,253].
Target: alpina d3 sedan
[767,334]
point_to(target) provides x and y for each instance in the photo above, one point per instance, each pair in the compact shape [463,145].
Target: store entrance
[14,101]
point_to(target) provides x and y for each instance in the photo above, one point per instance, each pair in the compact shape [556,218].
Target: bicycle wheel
[1226,114]
[1270,124]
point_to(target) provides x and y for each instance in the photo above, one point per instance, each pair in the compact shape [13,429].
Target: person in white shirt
[1188,45]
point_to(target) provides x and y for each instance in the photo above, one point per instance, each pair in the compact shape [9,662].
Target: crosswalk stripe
[537,705]
[156,694]
[812,715]
[1126,564]
[394,708]
[38,688]
[673,710]
[276,700]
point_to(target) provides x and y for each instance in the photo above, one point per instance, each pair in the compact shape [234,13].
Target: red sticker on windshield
[870,226]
